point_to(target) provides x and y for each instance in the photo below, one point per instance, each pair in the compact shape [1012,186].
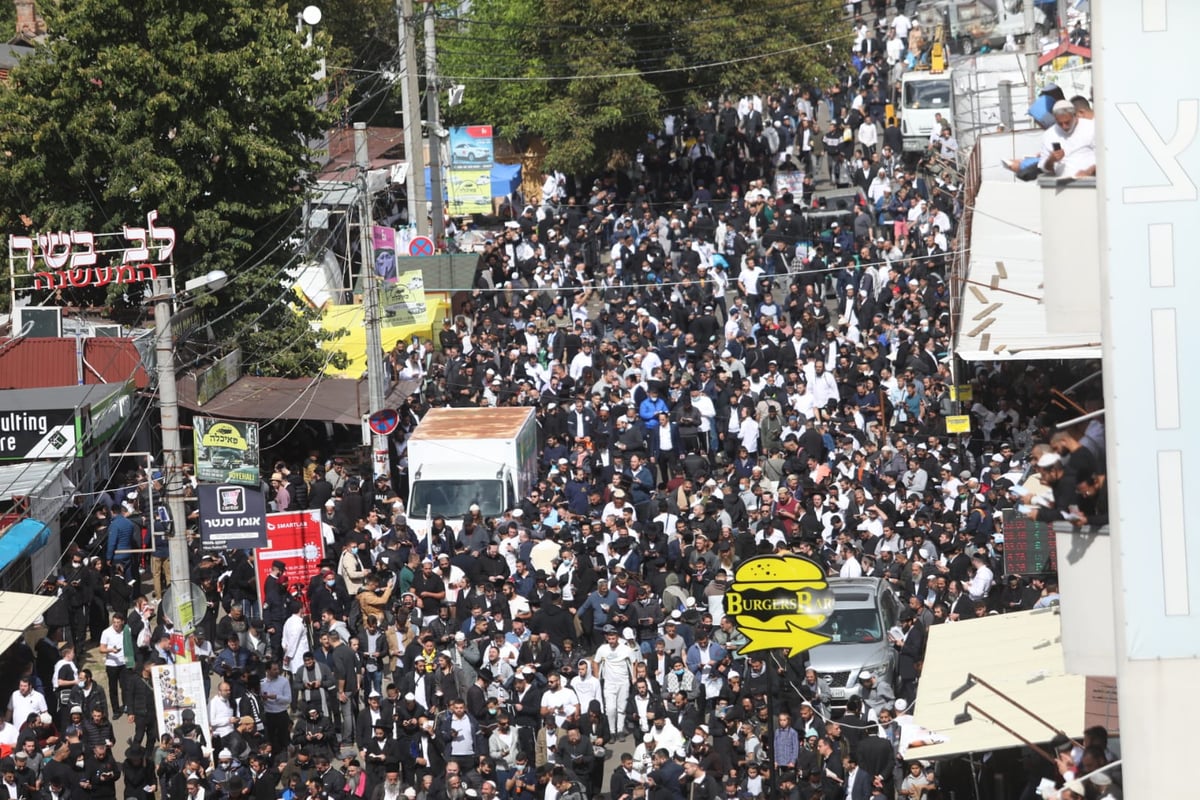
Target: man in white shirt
[221,715]
[613,663]
[1069,146]
[981,581]
[295,640]
[112,646]
[25,701]
[559,700]
[851,568]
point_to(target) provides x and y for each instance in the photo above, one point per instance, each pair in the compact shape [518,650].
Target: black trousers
[115,676]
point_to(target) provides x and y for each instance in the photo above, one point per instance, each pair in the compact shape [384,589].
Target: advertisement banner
[384,241]
[226,450]
[29,435]
[471,146]
[470,190]
[177,688]
[293,537]
[232,517]
[403,302]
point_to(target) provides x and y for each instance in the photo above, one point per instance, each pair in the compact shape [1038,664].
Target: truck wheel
[966,45]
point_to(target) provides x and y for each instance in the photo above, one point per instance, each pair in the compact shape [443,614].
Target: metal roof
[339,400]
[58,396]
[472,423]
[40,363]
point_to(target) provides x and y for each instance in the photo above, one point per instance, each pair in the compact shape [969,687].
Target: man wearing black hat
[275,603]
[912,654]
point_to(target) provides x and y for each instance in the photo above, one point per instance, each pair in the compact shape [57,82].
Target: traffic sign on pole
[420,246]
[384,422]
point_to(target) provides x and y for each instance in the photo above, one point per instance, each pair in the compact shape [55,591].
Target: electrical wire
[638,74]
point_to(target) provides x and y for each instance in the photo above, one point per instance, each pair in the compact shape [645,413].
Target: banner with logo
[226,450]
[293,537]
[177,688]
[470,190]
[232,517]
[403,302]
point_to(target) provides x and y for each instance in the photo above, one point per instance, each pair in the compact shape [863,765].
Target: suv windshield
[853,626]
[927,94]
[453,498]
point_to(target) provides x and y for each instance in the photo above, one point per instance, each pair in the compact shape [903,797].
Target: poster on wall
[178,688]
[226,450]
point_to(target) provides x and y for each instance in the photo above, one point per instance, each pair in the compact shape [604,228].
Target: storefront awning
[43,483]
[26,537]
[17,612]
[1019,654]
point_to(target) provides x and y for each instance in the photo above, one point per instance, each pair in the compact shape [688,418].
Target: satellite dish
[311,15]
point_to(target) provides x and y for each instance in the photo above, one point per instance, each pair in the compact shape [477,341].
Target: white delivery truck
[924,95]
[463,456]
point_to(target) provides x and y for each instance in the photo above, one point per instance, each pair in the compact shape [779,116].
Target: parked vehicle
[864,610]
[463,456]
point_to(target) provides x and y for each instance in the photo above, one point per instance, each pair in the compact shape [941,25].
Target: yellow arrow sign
[794,639]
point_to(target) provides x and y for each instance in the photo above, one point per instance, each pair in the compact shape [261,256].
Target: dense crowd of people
[721,368]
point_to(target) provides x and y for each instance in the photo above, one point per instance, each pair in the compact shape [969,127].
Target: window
[452,498]
[927,94]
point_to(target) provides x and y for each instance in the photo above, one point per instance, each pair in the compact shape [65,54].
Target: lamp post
[172,466]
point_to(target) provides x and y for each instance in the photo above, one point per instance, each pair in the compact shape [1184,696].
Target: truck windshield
[452,498]
[853,626]
[927,94]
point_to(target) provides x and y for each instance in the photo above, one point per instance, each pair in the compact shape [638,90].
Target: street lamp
[172,467]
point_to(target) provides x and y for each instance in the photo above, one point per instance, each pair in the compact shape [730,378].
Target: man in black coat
[912,653]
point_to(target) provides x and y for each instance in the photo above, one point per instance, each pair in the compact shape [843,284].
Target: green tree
[591,79]
[202,111]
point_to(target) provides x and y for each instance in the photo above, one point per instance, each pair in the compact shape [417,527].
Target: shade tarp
[1021,655]
[26,537]
[1003,317]
[18,611]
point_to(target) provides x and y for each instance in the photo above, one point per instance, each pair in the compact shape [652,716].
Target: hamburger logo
[777,602]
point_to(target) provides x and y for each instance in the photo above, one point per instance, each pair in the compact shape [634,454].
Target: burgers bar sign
[77,259]
[779,602]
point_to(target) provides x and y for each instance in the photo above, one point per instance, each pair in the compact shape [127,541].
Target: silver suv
[864,610]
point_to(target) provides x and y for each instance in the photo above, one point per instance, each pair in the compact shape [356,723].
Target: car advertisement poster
[403,302]
[470,190]
[226,450]
[471,146]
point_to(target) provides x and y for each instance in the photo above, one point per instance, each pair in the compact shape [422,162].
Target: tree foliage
[651,58]
[202,111]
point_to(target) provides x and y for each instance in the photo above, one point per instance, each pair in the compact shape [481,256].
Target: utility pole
[433,111]
[183,614]
[410,94]
[370,290]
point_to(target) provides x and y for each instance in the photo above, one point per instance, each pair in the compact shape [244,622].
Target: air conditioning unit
[109,331]
[37,321]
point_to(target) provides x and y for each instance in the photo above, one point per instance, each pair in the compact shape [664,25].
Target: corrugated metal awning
[1020,654]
